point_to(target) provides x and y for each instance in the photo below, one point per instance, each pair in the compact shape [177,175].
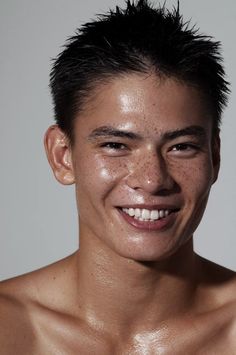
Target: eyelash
[178,150]
[114,145]
[184,146]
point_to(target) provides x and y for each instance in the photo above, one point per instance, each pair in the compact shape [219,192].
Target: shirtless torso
[38,317]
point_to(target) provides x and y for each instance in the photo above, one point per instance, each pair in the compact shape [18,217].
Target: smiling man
[138,97]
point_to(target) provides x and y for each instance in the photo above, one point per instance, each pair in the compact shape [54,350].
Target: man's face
[143,166]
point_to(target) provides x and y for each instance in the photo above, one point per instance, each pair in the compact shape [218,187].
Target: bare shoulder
[223,324]
[218,290]
[16,333]
[23,300]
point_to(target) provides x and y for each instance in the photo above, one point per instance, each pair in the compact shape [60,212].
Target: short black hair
[136,39]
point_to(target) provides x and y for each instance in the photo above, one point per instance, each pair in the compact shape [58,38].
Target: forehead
[145,103]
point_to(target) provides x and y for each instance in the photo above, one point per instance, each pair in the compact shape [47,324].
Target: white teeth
[146,215]
[154,214]
[131,212]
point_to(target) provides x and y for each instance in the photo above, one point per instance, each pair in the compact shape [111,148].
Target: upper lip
[150,207]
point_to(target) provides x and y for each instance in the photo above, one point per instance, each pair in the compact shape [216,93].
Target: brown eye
[183,150]
[114,145]
[181,146]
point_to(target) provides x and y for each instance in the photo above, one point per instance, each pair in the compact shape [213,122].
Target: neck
[116,293]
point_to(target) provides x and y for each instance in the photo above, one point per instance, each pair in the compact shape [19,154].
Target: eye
[184,149]
[114,149]
[113,145]
[182,146]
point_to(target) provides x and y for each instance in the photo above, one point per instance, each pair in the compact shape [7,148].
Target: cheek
[193,171]
[99,174]
[195,178]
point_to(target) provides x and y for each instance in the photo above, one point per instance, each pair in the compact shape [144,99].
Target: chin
[145,255]
[155,252]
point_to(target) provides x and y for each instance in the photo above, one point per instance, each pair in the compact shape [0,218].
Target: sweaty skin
[143,163]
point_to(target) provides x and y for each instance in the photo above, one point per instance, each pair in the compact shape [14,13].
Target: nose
[151,174]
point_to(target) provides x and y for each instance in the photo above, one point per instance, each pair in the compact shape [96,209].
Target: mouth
[148,218]
[143,214]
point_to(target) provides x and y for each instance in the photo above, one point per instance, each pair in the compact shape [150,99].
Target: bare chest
[204,339]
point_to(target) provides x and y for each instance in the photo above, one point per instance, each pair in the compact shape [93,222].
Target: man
[138,98]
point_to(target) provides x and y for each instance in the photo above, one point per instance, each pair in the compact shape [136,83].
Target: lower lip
[158,225]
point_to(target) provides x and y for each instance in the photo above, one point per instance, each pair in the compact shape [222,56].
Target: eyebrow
[197,131]
[109,131]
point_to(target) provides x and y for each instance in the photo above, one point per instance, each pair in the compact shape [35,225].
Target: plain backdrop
[38,216]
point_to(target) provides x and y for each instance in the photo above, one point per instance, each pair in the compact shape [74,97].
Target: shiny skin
[147,171]
[129,291]
[39,316]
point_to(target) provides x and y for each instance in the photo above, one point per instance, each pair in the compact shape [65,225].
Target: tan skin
[134,287]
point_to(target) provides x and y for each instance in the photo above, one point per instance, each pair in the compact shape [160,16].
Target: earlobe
[59,155]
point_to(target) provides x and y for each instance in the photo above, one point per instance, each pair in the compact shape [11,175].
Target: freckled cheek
[195,178]
[101,171]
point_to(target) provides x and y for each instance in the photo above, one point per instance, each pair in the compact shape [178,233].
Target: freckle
[54,277]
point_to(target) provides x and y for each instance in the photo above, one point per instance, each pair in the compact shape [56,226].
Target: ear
[216,155]
[59,155]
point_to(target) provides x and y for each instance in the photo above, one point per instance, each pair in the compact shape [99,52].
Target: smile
[143,214]
[150,218]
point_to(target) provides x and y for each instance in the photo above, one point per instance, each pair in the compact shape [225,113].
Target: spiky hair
[138,38]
